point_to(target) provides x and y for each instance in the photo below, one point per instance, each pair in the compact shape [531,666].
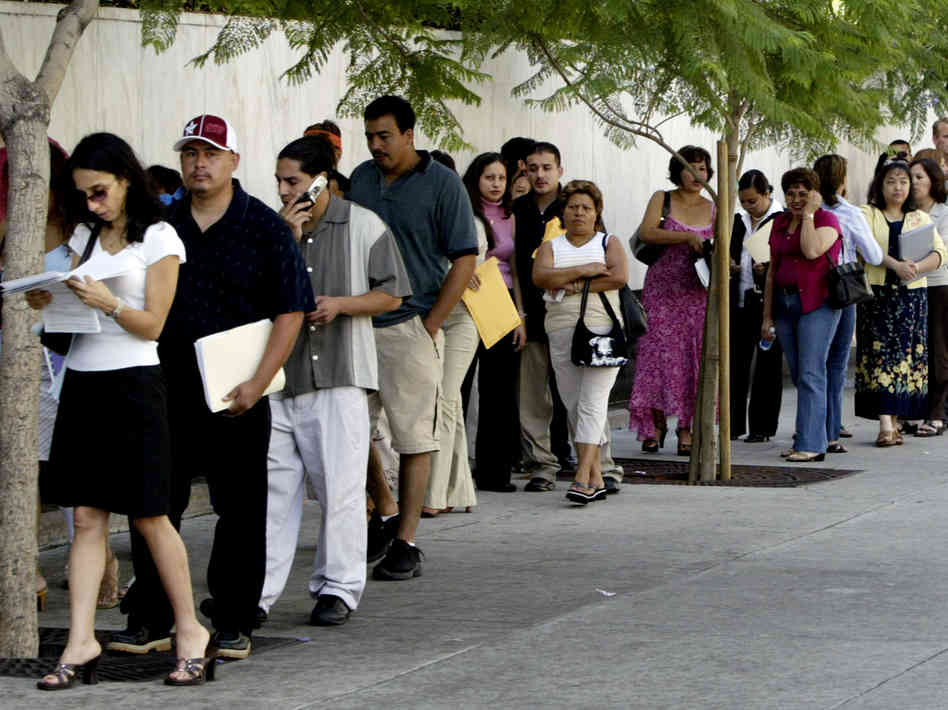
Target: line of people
[364,295]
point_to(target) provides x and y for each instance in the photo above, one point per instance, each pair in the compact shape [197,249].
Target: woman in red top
[804,245]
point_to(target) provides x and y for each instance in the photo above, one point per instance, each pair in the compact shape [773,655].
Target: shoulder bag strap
[90,244]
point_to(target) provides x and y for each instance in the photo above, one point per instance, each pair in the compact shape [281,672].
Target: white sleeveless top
[562,311]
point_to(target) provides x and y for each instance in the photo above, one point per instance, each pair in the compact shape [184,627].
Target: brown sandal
[887,438]
[198,670]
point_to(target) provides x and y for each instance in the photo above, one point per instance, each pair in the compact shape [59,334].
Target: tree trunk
[28,156]
[24,120]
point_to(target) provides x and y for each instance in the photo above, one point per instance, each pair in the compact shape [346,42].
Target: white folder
[232,356]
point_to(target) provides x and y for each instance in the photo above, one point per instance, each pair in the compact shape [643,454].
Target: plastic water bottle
[767,343]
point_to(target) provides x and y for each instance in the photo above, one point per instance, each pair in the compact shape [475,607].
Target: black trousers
[761,371]
[498,419]
[231,453]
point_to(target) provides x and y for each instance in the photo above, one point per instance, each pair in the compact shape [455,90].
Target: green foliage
[799,73]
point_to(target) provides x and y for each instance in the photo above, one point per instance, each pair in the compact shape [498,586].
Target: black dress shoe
[330,610]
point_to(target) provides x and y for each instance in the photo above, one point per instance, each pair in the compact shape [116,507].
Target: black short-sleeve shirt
[244,268]
[531,225]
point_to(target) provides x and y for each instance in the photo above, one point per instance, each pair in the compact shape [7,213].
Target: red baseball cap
[210,129]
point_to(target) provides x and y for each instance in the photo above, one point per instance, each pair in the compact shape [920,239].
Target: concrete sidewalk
[827,596]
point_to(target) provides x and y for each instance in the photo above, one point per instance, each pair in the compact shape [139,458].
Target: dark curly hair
[693,154]
[107,153]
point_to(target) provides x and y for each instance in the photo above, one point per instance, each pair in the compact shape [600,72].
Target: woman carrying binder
[111,450]
[892,328]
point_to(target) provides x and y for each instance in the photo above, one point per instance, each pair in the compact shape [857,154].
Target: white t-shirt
[115,348]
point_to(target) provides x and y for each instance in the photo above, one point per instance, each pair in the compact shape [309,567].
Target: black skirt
[111,447]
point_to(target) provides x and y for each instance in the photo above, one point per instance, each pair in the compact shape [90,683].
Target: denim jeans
[836,363]
[805,340]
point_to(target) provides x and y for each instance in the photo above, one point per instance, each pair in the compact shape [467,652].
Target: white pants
[326,435]
[585,391]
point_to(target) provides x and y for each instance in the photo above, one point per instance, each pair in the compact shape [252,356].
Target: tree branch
[647,132]
[70,24]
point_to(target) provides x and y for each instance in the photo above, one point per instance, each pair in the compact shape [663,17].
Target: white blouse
[115,348]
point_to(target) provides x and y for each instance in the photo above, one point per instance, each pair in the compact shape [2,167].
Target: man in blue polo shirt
[429,212]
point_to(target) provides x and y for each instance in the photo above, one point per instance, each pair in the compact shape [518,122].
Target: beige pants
[409,385]
[536,414]
[585,391]
[450,483]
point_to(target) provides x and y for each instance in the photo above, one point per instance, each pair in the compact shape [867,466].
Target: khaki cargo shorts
[410,363]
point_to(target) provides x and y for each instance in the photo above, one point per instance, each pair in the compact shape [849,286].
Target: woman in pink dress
[666,369]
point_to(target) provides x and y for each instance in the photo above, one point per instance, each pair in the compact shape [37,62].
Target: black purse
[648,254]
[590,350]
[60,343]
[848,284]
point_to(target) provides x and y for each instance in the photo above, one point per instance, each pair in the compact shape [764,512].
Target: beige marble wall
[113,84]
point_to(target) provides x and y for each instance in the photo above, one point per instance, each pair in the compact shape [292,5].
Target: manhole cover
[115,666]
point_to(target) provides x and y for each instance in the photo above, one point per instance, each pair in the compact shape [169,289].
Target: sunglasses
[98,194]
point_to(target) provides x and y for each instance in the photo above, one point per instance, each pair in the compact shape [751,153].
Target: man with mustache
[428,210]
[243,266]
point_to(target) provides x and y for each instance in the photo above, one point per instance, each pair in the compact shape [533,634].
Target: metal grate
[665,472]
[115,666]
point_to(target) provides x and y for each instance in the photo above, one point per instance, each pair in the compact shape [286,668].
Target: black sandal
[684,448]
[67,674]
[575,493]
[198,669]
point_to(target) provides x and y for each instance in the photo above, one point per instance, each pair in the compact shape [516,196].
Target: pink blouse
[502,224]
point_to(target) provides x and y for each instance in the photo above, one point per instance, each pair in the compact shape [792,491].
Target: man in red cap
[243,266]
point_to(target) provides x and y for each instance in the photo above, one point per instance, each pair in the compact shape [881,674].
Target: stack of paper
[228,358]
[99,267]
[491,307]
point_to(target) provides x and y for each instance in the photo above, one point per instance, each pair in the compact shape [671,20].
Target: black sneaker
[139,639]
[381,534]
[403,561]
[330,610]
[231,644]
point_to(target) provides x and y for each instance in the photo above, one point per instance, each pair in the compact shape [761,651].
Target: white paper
[101,266]
[67,314]
[228,358]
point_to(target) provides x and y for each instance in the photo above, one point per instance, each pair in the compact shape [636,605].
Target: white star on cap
[189,129]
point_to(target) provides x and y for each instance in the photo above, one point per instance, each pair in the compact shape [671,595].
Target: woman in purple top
[666,369]
[805,243]
[498,419]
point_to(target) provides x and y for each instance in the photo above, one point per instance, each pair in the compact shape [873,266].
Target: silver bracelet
[117,310]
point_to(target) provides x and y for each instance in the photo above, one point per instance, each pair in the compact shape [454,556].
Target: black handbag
[633,312]
[590,350]
[848,284]
[648,254]
[60,343]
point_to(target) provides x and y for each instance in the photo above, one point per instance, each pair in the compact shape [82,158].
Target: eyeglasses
[98,194]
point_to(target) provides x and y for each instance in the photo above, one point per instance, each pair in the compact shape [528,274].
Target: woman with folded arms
[892,328]
[804,245]
[111,448]
[562,267]
[857,242]
[928,189]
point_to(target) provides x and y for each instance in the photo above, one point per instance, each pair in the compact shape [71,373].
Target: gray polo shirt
[430,215]
[351,252]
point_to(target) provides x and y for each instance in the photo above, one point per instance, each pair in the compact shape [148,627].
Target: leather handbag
[648,254]
[60,343]
[590,350]
[633,312]
[848,284]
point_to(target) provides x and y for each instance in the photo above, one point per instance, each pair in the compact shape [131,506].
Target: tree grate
[665,472]
[115,665]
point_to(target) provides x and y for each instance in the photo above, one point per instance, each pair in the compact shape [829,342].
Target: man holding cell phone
[320,421]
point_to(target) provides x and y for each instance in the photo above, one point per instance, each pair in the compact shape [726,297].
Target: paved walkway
[829,596]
